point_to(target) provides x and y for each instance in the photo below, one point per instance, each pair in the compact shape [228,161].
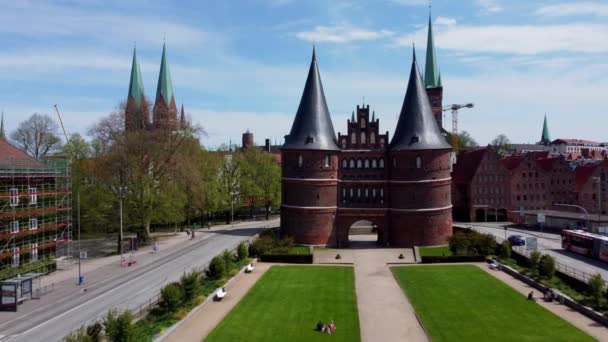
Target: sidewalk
[577,319]
[199,325]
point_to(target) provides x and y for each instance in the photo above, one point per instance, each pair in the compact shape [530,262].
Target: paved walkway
[577,319]
[200,324]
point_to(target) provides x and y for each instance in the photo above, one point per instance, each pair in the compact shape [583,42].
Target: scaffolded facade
[35,212]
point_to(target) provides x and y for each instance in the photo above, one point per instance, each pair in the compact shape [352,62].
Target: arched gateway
[328,184]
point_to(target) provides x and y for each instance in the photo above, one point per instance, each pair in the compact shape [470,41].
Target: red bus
[584,243]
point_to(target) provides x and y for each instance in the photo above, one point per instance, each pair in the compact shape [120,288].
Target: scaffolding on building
[35,215]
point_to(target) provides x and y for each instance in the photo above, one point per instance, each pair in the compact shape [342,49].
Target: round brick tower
[310,169]
[419,164]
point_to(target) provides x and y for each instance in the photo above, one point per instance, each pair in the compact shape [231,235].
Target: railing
[564,269]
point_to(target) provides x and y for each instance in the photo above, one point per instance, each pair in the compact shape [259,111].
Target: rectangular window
[34,252]
[33,195]
[33,223]
[14,225]
[14,192]
[15,256]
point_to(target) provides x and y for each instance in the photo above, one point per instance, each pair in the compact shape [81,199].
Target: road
[548,243]
[121,288]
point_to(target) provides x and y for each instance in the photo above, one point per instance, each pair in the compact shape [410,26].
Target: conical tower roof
[136,85]
[417,128]
[432,75]
[165,85]
[182,118]
[312,128]
[545,138]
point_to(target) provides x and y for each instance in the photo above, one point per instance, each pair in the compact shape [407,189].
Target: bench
[220,294]
[249,268]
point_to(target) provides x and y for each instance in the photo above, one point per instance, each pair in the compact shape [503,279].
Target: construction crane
[454,108]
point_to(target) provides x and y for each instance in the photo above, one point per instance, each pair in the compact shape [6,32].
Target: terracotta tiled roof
[13,158]
[467,164]
[574,142]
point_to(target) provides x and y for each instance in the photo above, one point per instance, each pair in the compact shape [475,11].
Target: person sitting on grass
[531,296]
[320,326]
[332,326]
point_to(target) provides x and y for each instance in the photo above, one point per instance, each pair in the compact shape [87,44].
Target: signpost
[540,218]
[531,243]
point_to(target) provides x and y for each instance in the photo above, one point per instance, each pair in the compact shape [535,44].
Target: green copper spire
[165,86]
[545,137]
[2,135]
[432,76]
[136,86]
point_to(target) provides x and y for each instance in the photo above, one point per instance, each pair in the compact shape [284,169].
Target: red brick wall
[420,229]
[436,97]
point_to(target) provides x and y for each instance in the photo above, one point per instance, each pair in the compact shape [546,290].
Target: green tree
[505,249]
[596,288]
[546,266]
[229,183]
[217,268]
[463,140]
[77,148]
[242,251]
[119,326]
[190,283]
[37,136]
[261,178]
[171,297]
[534,262]
[501,144]
[460,244]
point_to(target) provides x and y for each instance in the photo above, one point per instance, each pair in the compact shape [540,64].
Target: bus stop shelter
[15,290]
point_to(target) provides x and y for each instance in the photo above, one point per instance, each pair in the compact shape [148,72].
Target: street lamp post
[599,199]
[121,190]
[80,278]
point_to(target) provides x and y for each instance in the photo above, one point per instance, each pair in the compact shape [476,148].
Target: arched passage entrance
[363,233]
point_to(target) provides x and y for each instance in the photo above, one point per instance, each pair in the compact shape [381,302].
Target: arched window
[344,164]
[381,192]
[300,161]
[362,123]
[359,164]
[358,192]
[351,192]
[418,162]
[363,137]
[382,142]
[343,143]
[327,160]
[353,138]
[374,192]
[381,163]
[366,192]
[374,164]
[366,164]
[394,162]
[343,192]
[372,138]
[352,163]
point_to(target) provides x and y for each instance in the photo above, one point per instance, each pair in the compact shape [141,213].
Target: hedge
[452,258]
[287,258]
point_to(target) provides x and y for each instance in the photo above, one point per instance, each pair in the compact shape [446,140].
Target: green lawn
[435,251]
[464,303]
[300,250]
[288,301]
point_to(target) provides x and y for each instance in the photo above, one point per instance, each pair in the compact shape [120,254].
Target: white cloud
[489,6]
[517,39]
[445,21]
[341,33]
[574,9]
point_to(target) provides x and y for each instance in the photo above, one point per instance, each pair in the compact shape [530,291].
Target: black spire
[417,128]
[312,128]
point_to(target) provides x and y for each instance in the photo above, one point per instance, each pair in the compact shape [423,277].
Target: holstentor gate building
[402,184]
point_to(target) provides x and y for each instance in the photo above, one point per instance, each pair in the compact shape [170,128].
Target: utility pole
[599,201]
[121,190]
[80,277]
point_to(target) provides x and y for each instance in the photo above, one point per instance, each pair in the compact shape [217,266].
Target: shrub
[191,285]
[505,249]
[228,260]
[534,261]
[171,297]
[119,326]
[262,245]
[595,288]
[459,244]
[79,335]
[546,266]
[242,251]
[217,268]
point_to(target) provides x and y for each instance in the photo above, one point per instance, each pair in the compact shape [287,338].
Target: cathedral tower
[419,164]
[165,109]
[310,168]
[137,115]
[432,78]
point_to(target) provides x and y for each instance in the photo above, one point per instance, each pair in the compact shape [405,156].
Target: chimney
[267,145]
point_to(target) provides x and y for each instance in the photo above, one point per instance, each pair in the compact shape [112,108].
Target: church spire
[312,128]
[352,117]
[182,118]
[545,139]
[2,134]
[417,128]
[136,85]
[165,86]
[432,75]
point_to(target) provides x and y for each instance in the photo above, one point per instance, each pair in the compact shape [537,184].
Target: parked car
[517,240]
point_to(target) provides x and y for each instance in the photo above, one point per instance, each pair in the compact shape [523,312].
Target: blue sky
[239,65]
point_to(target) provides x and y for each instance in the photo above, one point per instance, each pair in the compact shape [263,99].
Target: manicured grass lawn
[435,251]
[288,301]
[300,250]
[464,303]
